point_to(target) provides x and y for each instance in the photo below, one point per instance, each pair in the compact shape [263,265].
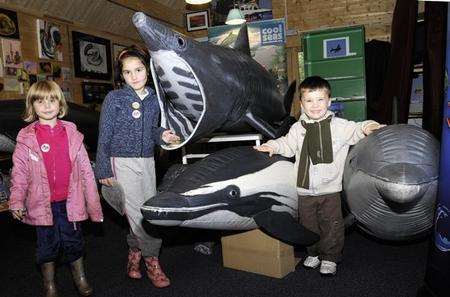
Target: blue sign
[272,33]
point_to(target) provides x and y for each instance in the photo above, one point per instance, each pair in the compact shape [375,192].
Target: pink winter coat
[30,189]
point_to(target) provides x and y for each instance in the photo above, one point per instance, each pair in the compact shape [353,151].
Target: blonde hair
[43,90]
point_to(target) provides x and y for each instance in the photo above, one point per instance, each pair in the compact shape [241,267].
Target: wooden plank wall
[307,15]
[28,37]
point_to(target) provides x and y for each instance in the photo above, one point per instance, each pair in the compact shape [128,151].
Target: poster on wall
[92,56]
[266,40]
[12,53]
[9,27]
[49,40]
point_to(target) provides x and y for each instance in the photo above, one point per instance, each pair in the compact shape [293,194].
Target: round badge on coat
[136,114]
[135,105]
[45,147]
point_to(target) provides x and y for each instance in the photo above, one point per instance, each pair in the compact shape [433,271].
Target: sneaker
[328,268]
[311,262]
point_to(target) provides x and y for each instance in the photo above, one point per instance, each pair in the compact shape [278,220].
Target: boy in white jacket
[320,142]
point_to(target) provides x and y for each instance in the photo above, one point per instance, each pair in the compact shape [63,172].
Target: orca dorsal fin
[242,44]
[289,96]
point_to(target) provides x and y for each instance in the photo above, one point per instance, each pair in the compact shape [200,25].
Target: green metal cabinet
[338,55]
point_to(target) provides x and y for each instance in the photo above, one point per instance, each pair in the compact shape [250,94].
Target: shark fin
[284,227]
[241,44]
[260,125]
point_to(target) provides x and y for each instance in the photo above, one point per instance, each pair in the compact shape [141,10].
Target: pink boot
[134,259]
[155,273]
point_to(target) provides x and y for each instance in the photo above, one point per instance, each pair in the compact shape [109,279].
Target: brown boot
[155,273]
[48,275]
[79,278]
[134,259]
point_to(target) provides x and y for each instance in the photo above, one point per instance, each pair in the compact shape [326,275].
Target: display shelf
[221,138]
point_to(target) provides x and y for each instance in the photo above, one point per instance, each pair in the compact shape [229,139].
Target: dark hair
[135,52]
[313,83]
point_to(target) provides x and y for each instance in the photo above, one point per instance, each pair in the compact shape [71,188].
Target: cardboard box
[257,252]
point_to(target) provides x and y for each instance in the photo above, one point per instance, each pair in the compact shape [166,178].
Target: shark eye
[181,41]
[233,192]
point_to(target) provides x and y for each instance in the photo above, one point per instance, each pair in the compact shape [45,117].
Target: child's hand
[18,214]
[369,128]
[265,149]
[107,181]
[169,136]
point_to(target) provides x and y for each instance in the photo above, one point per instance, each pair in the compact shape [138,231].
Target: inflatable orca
[234,189]
[203,87]
[390,182]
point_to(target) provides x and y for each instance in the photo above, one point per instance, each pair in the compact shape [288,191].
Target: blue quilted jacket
[128,128]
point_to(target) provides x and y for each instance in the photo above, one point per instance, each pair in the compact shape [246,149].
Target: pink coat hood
[30,189]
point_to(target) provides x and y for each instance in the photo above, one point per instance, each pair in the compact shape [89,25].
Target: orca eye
[233,192]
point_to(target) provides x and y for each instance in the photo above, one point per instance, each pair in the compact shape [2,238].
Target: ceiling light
[235,17]
[197,2]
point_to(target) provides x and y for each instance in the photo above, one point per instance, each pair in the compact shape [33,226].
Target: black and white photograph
[92,56]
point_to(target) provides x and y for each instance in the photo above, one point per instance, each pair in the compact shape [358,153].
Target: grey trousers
[323,215]
[138,180]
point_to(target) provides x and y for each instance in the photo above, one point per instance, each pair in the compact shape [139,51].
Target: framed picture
[117,48]
[12,53]
[95,92]
[9,27]
[92,56]
[336,47]
[49,40]
[197,20]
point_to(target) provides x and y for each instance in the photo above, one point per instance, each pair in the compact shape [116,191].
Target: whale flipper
[284,227]
[259,124]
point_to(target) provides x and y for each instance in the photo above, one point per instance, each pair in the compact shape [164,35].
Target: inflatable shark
[203,87]
[390,182]
[234,189]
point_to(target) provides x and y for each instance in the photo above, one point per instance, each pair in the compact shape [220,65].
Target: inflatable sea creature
[233,189]
[203,87]
[390,182]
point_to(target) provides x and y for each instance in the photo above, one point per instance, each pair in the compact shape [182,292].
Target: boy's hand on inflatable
[107,181]
[265,149]
[169,136]
[369,128]
[18,214]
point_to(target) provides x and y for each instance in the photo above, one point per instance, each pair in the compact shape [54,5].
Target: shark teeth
[181,209]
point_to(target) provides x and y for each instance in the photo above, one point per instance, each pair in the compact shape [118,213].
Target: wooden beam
[172,15]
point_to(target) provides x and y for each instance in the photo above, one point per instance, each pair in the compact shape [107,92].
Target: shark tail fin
[284,227]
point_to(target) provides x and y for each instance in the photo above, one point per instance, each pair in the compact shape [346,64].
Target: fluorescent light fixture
[235,17]
[197,2]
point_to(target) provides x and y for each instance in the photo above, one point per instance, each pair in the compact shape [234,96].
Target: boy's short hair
[42,90]
[313,83]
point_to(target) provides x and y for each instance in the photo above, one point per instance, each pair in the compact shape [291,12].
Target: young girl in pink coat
[53,185]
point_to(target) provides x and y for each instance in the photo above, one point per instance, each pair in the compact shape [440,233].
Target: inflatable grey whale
[390,182]
[233,189]
[203,87]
